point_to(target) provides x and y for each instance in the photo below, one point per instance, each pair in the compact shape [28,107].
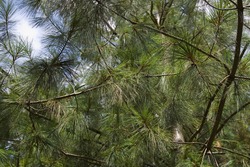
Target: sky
[26,31]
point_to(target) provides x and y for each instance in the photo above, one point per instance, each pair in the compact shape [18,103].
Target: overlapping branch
[232,115]
[204,118]
[216,147]
[165,34]
[88,159]
[102,84]
[231,77]
[225,9]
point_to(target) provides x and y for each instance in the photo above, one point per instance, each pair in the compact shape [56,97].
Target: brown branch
[242,77]
[165,11]
[195,143]
[204,118]
[231,77]
[84,157]
[246,26]
[246,7]
[159,75]
[95,130]
[225,9]
[215,162]
[166,34]
[232,151]
[221,148]
[220,153]
[232,115]
[203,78]
[233,2]
[60,97]
[186,42]
[100,52]
[12,140]
[31,120]
[109,26]
[88,159]
[46,118]
[244,50]
[152,15]
[31,110]
[118,14]
[238,39]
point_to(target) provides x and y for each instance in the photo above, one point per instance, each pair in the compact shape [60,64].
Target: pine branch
[225,9]
[233,2]
[30,109]
[246,26]
[186,42]
[12,140]
[159,75]
[214,159]
[221,148]
[167,35]
[231,76]
[244,50]
[153,18]
[242,77]
[233,152]
[88,159]
[232,115]
[204,118]
[102,57]
[164,12]
[59,97]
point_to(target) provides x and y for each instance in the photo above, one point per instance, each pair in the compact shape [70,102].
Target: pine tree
[126,83]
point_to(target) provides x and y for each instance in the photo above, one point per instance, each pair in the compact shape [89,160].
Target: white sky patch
[26,30]
[33,34]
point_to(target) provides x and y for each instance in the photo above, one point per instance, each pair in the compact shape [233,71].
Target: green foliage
[126,83]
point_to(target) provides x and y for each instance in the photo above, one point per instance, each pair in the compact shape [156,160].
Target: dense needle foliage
[126,83]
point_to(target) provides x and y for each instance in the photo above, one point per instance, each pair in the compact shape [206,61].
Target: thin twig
[88,159]
[7,139]
[232,115]
[244,50]
[225,9]
[166,34]
[246,26]
[234,152]
[60,97]
[100,53]
[233,2]
[214,159]
[30,110]
[159,75]
[221,148]
[208,108]
[242,77]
